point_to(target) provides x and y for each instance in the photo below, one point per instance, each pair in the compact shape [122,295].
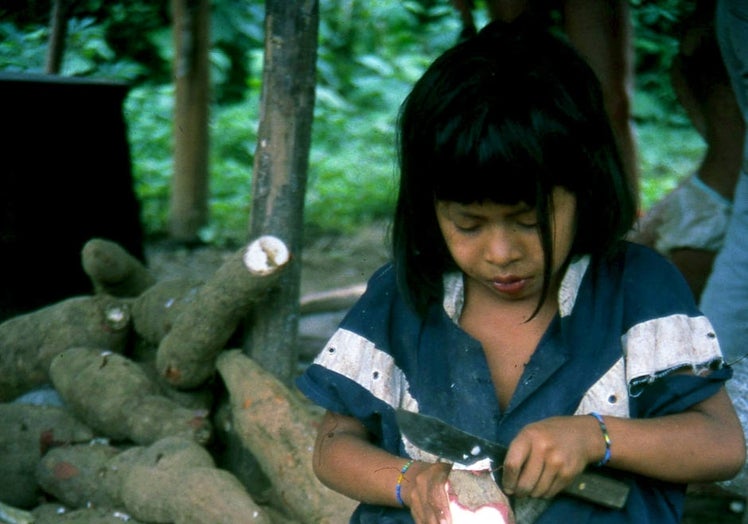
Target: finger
[441,504]
[529,477]
[519,451]
[434,515]
[551,476]
[544,485]
[563,478]
[430,503]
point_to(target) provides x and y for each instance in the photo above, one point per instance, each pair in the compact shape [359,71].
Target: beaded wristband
[606,438]
[400,478]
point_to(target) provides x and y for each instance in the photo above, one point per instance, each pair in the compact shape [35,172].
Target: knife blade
[435,436]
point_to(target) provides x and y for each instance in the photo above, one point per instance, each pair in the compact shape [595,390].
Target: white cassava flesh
[265,255]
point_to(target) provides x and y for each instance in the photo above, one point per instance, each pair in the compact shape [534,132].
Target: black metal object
[65,177]
[439,438]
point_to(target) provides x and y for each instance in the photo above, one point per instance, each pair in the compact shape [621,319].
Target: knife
[439,438]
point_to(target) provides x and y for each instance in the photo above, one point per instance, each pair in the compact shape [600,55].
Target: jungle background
[370,53]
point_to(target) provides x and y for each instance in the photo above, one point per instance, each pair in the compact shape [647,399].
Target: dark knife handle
[599,489]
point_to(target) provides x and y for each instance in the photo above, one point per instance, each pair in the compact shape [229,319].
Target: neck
[480,302]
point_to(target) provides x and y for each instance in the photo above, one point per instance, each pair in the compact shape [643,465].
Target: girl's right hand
[423,491]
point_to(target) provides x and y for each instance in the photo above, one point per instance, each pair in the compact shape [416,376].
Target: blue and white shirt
[624,325]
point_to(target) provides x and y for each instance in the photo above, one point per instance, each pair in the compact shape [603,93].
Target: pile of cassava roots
[131,405]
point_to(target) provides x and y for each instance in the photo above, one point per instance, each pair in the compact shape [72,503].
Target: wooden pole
[188,211]
[58,30]
[280,172]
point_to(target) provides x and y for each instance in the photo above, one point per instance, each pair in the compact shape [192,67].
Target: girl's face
[498,247]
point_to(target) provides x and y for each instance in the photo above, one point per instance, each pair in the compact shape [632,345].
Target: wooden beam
[280,171]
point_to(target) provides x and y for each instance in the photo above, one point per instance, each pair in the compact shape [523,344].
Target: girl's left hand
[425,494]
[547,455]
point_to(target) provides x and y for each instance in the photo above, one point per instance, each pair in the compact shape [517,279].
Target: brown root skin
[29,342]
[113,270]
[198,494]
[186,355]
[29,431]
[197,399]
[279,430]
[471,491]
[71,474]
[51,514]
[156,309]
[173,480]
[114,396]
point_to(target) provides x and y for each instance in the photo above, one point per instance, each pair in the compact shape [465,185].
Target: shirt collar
[454,289]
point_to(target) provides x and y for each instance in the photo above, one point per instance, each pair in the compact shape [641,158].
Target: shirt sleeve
[666,334]
[356,374]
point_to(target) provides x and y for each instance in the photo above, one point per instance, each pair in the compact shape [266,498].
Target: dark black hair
[505,117]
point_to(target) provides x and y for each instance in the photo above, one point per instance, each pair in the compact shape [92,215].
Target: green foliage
[22,50]
[656,26]
[87,52]
[148,111]
[666,155]
[370,53]
[233,139]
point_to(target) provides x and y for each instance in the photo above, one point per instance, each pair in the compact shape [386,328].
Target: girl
[514,311]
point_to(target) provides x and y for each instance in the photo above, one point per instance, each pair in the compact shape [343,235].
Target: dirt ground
[328,262]
[333,262]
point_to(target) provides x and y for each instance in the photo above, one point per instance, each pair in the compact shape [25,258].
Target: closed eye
[527,219]
[467,227]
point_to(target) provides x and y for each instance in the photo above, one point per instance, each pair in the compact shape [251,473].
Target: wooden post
[280,172]
[58,30]
[188,210]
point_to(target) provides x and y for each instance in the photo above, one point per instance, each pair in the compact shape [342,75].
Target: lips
[510,285]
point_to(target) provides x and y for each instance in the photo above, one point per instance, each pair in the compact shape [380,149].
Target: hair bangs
[505,161]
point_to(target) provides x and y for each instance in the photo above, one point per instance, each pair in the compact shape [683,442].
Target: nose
[503,246]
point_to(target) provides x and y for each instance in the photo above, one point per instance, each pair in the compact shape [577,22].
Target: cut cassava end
[29,342]
[266,254]
[186,355]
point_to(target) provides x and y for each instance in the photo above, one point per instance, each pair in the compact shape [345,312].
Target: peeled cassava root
[475,498]
[172,481]
[279,431]
[115,397]
[29,342]
[186,355]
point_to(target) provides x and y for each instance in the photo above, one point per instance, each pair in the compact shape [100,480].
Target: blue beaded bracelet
[606,438]
[400,479]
